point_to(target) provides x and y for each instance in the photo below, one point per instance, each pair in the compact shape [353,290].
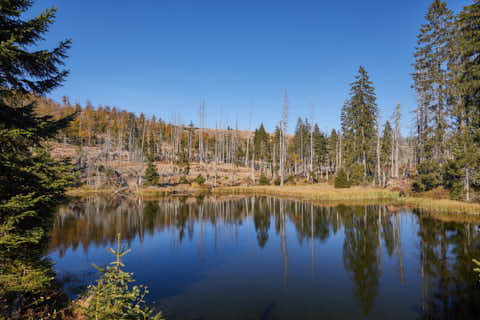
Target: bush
[291,180]
[263,181]
[356,174]
[428,177]
[453,175]
[277,181]
[151,174]
[200,179]
[341,180]
[183,180]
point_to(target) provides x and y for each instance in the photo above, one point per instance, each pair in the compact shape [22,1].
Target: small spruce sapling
[113,296]
[151,174]
[200,179]
[263,180]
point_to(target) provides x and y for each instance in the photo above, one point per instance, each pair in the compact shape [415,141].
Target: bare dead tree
[283,133]
[200,133]
[397,141]
[378,151]
[311,135]
[249,134]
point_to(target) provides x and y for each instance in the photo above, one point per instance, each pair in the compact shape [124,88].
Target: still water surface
[265,258]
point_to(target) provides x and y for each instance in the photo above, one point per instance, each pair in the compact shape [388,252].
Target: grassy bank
[318,192]
[441,206]
[144,192]
[324,192]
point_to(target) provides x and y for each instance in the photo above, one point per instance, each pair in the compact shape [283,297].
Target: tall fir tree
[386,148]
[31,182]
[430,81]
[465,77]
[320,148]
[358,120]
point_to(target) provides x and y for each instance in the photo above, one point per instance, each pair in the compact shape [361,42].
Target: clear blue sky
[164,57]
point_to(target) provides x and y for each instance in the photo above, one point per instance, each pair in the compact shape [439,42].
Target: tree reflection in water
[444,250]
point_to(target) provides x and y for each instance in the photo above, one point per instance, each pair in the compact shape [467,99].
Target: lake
[265,258]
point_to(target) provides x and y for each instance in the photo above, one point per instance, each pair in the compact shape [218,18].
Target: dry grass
[182,190]
[325,192]
[317,192]
[441,205]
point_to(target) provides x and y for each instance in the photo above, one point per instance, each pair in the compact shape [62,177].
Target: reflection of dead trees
[399,247]
[283,243]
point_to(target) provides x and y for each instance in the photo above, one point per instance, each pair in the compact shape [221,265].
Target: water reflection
[394,264]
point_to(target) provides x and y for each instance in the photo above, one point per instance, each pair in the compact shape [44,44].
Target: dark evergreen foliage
[341,180]
[263,181]
[31,182]
[429,176]
[356,174]
[358,118]
[151,173]
[200,179]
[453,175]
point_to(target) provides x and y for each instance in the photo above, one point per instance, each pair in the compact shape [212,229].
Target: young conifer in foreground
[113,297]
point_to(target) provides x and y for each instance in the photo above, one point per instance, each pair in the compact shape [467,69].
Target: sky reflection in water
[265,258]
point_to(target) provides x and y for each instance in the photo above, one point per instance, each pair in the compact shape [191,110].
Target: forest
[441,152]
[49,147]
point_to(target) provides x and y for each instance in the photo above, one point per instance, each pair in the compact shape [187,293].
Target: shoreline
[319,194]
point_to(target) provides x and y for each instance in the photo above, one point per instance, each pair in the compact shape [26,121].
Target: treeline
[123,135]
[443,151]
[447,82]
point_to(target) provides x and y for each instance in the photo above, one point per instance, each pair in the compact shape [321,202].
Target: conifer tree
[465,76]
[320,150]
[333,156]
[358,120]
[341,180]
[151,174]
[31,182]
[430,80]
[114,296]
[386,147]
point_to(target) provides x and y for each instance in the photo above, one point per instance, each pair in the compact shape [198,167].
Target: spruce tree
[151,174]
[430,80]
[341,180]
[31,182]
[320,149]
[358,119]
[465,77]
[386,147]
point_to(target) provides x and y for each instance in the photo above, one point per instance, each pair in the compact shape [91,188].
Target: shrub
[200,179]
[453,179]
[356,174]
[428,177]
[291,180]
[183,180]
[263,181]
[151,174]
[277,181]
[341,180]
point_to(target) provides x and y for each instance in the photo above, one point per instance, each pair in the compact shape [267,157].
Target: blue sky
[164,57]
